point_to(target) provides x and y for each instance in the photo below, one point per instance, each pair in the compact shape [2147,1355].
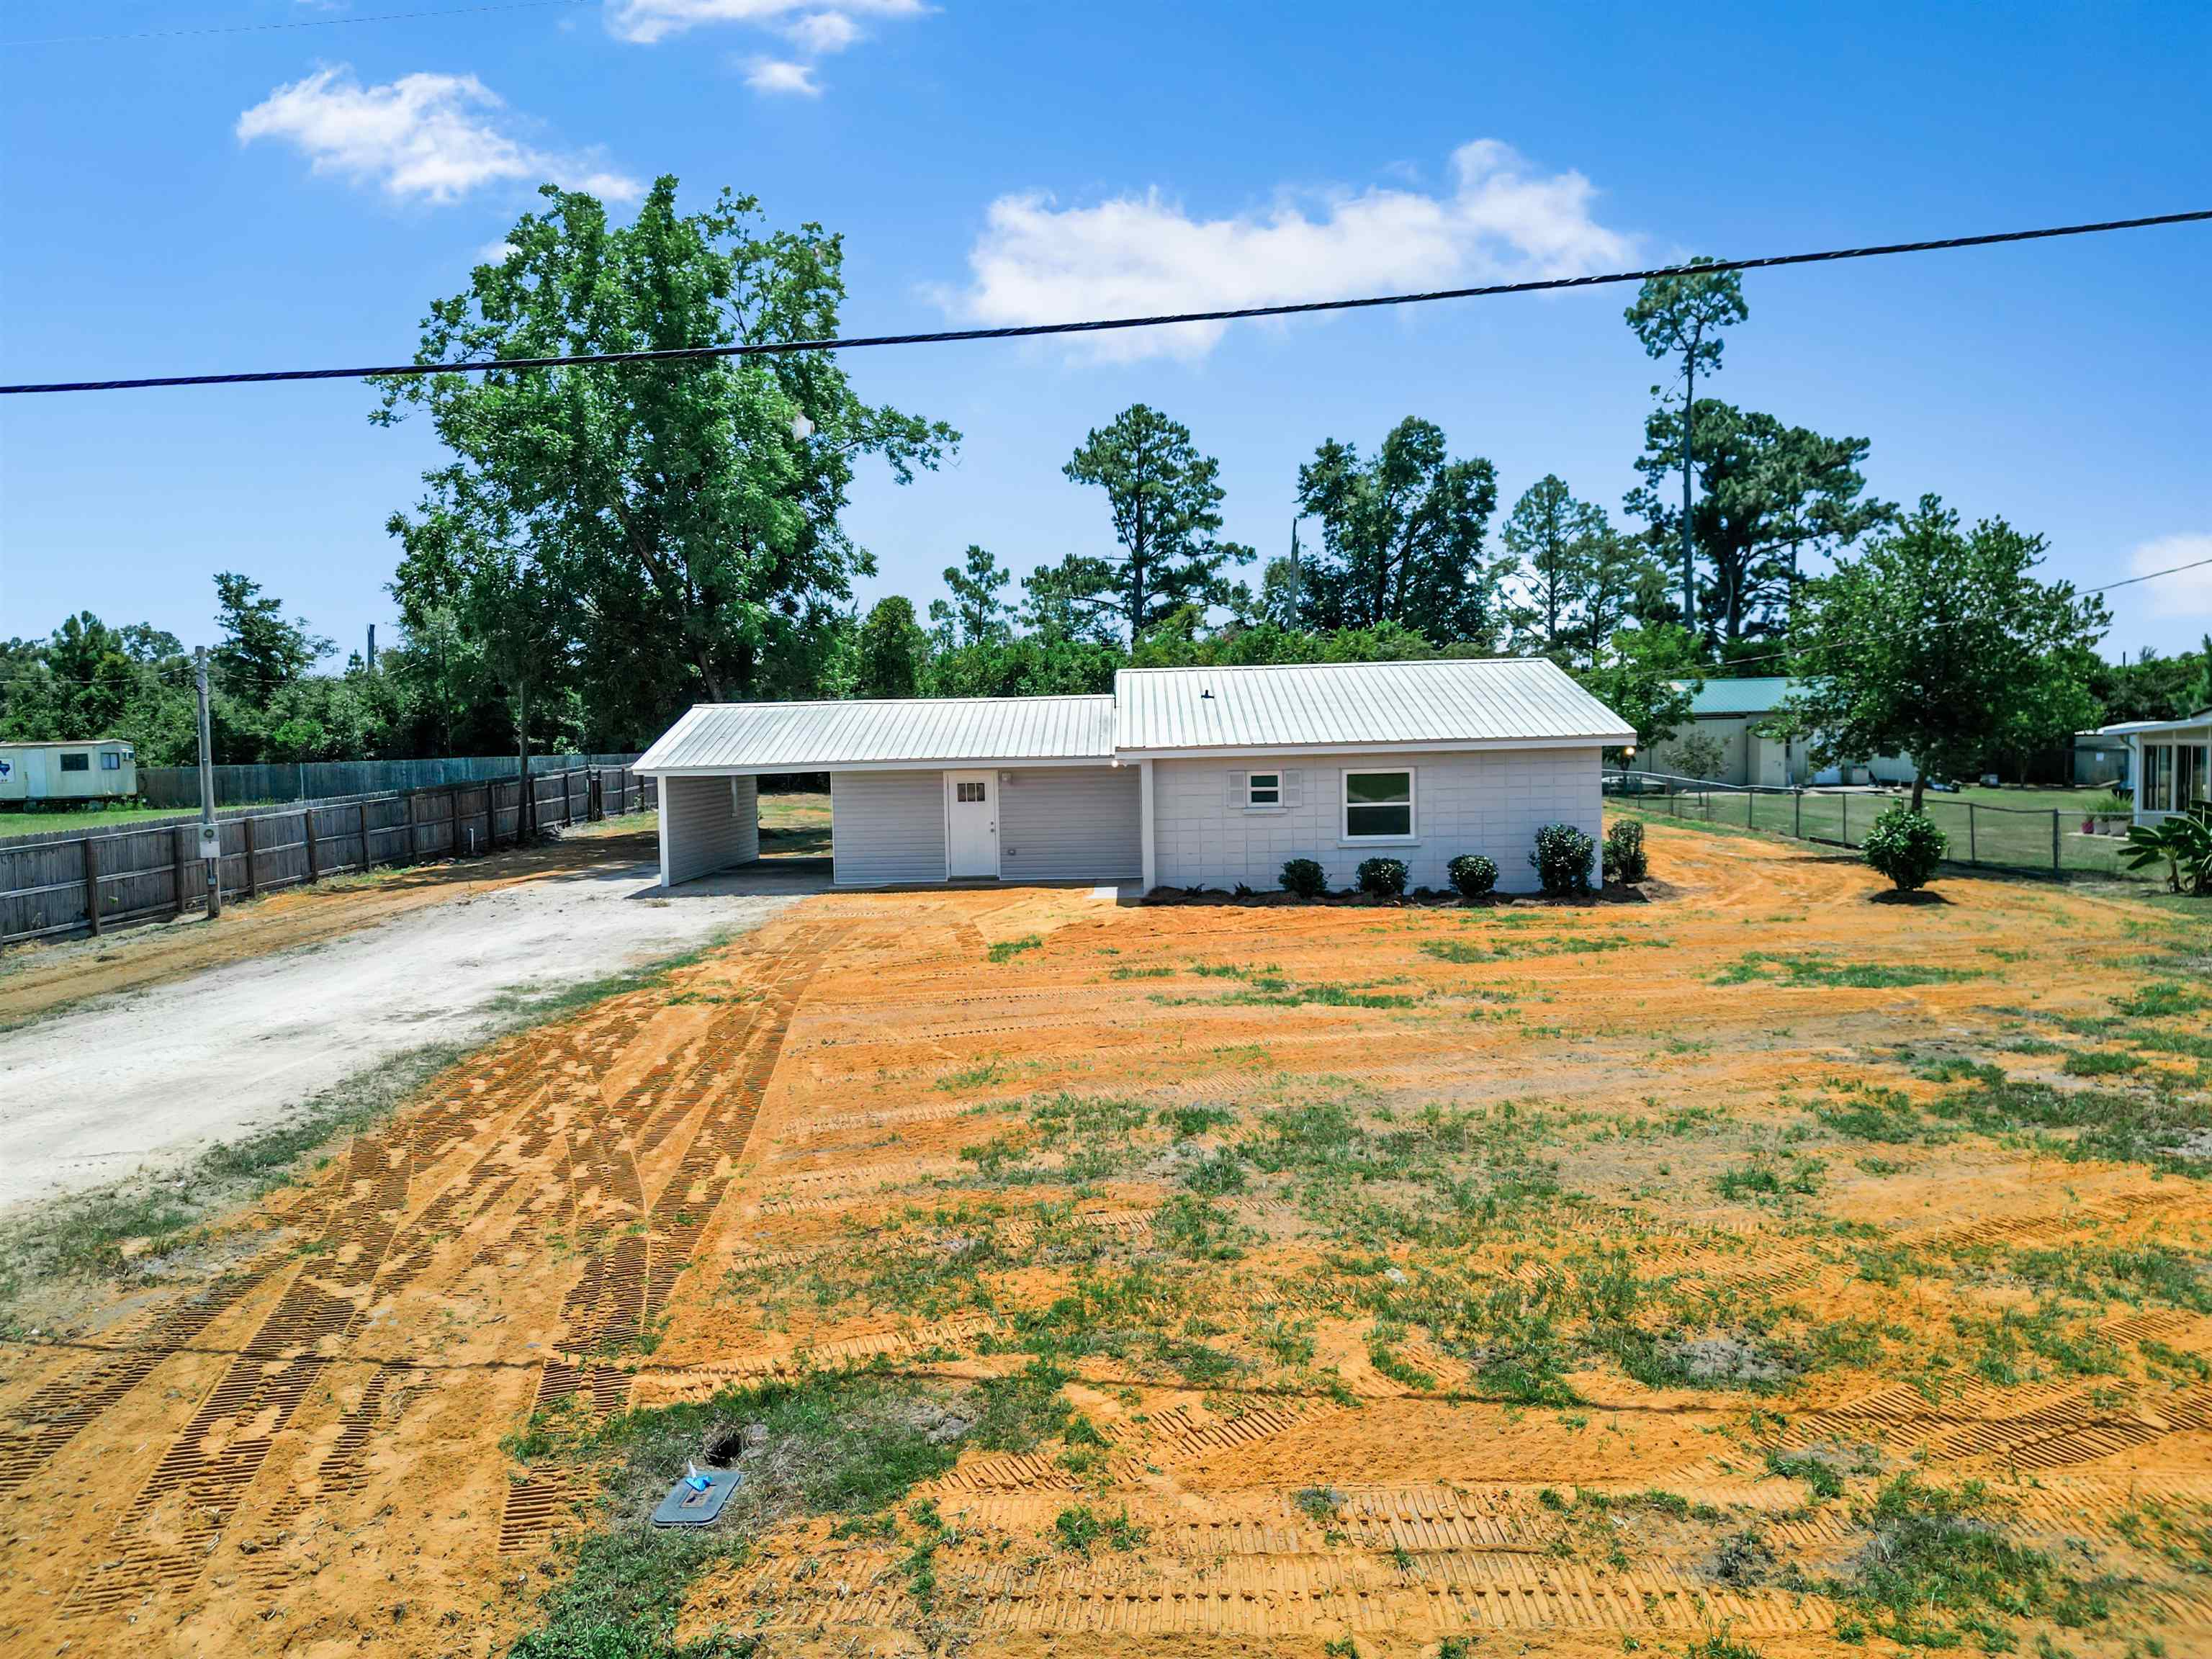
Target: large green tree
[1939,642]
[260,649]
[974,612]
[1647,675]
[1556,540]
[685,515]
[1165,499]
[1402,539]
[1772,495]
[890,653]
[1681,318]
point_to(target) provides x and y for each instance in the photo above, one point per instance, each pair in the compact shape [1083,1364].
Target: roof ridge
[1373,662]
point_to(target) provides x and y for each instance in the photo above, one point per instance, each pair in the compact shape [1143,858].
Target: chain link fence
[2045,840]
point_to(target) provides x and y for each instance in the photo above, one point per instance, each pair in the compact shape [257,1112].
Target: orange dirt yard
[1765,1269]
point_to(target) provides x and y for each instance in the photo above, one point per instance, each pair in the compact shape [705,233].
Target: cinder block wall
[707,824]
[1490,802]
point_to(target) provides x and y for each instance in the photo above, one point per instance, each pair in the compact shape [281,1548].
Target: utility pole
[1689,556]
[372,647]
[210,835]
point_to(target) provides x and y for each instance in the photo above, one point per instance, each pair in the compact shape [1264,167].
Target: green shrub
[1625,858]
[1305,878]
[1473,875]
[1906,846]
[2182,843]
[1383,878]
[1562,859]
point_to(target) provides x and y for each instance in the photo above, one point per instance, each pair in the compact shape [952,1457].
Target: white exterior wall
[887,828]
[1070,823]
[707,824]
[1490,801]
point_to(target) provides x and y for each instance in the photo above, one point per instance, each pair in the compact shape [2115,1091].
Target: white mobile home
[102,769]
[1183,777]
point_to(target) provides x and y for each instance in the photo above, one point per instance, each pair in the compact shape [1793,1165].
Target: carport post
[663,847]
[1144,806]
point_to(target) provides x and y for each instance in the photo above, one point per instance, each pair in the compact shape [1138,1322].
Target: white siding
[1492,802]
[707,824]
[1076,823]
[887,827]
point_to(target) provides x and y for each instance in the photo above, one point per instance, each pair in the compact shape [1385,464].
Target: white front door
[971,824]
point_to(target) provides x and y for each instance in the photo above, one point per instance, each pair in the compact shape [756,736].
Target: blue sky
[298,196]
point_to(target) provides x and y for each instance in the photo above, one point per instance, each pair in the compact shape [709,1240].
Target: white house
[1184,777]
[1731,715]
[2173,765]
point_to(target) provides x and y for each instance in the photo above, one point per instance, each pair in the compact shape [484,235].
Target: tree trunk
[1919,788]
[1689,557]
[525,807]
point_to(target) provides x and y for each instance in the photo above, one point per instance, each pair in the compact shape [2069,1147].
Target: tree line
[602,545]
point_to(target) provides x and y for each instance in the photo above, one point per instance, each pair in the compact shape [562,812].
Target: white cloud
[768,74]
[2188,592]
[648,20]
[1501,220]
[822,33]
[432,137]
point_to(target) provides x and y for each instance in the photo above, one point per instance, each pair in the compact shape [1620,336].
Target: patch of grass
[2101,1062]
[1796,969]
[2161,997]
[848,1444]
[1188,1122]
[981,1075]
[1801,1178]
[1006,949]
[1141,973]
[1936,1561]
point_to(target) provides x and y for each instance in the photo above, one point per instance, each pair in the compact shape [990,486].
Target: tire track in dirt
[186,1504]
[624,1289]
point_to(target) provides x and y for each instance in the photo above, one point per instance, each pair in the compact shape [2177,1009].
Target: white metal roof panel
[1457,700]
[820,737]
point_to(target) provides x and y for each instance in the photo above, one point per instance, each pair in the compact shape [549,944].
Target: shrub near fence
[71,882]
[2040,839]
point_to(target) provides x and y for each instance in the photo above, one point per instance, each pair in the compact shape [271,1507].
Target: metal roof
[1758,694]
[1444,701]
[816,737]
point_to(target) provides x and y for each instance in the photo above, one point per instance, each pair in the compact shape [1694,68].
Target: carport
[922,790]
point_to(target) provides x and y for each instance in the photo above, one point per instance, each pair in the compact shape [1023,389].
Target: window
[1379,806]
[2188,776]
[76,762]
[110,760]
[971,790]
[2157,775]
[1263,789]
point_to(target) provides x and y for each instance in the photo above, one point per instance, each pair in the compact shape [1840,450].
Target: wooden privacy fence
[72,882]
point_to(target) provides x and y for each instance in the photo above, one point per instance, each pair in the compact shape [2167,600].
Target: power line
[1101,325]
[298,23]
[2085,592]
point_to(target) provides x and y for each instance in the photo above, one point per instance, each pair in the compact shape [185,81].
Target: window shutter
[1237,796]
[1294,788]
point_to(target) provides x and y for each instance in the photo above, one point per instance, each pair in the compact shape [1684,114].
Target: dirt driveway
[176,1038]
[1764,1267]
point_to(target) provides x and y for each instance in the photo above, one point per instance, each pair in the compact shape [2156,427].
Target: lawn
[47,821]
[1767,1269]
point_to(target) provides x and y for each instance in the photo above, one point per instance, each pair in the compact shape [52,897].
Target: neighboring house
[1184,777]
[1730,713]
[102,768]
[2107,755]
[2173,765]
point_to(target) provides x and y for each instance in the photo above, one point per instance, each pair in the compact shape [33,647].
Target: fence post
[362,809]
[252,875]
[1797,813]
[567,798]
[1749,795]
[1973,851]
[453,821]
[307,831]
[92,885]
[2054,841]
[1845,797]
[177,841]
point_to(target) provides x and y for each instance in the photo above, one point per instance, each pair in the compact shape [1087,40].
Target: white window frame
[111,761]
[1274,786]
[1344,804]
